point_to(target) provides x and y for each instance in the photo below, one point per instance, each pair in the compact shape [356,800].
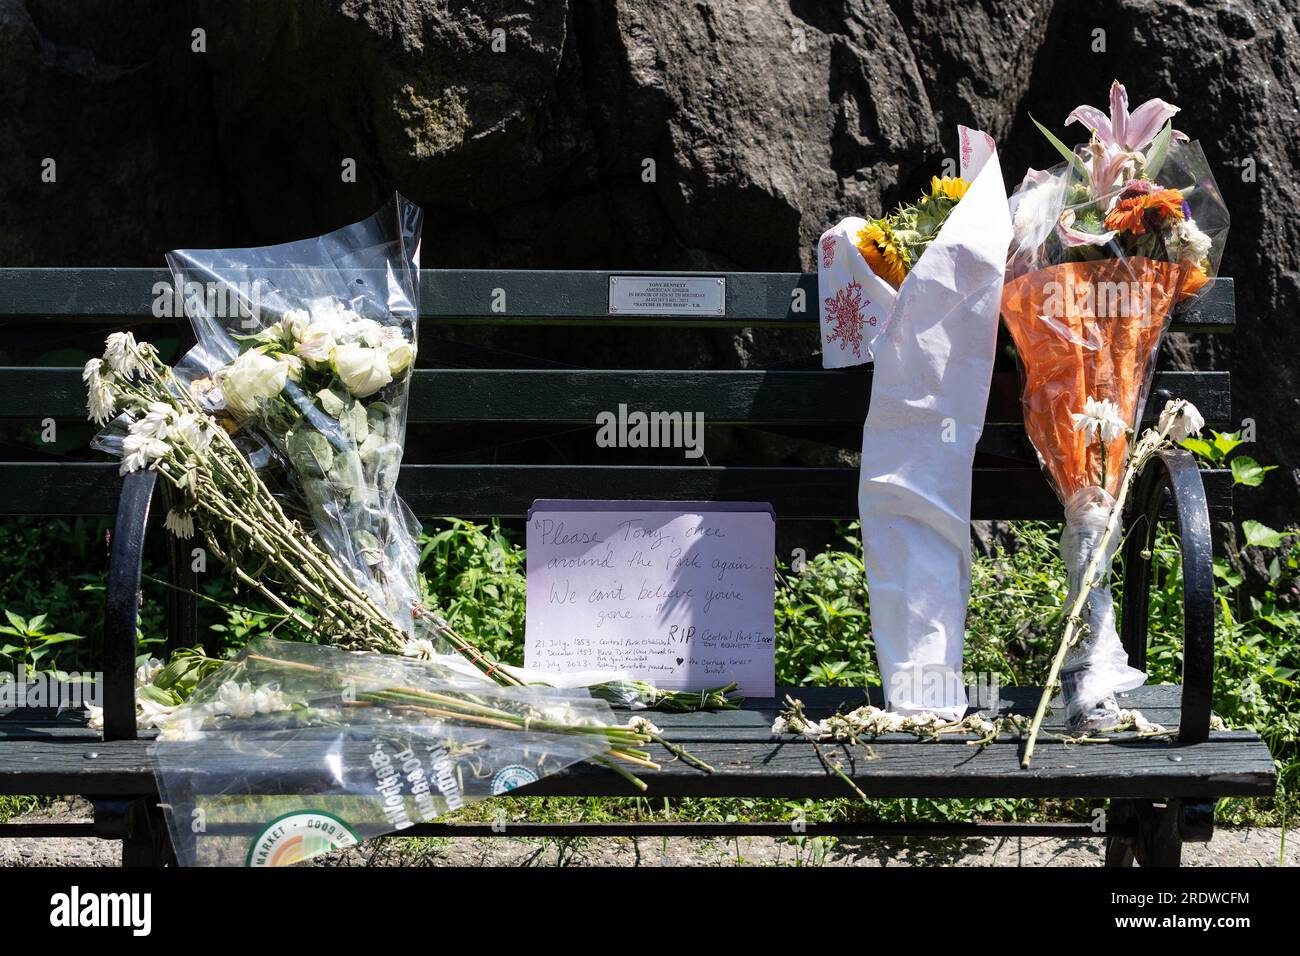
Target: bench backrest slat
[548,395]
[479,490]
[451,296]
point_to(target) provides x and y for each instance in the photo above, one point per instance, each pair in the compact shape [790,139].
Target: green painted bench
[492,429]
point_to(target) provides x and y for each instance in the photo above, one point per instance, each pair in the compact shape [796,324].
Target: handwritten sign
[677,593]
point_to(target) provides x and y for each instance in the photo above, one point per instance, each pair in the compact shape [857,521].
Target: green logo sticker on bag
[298,836]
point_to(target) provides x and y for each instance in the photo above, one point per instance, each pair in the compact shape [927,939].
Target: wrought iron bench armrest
[122,603]
[1175,470]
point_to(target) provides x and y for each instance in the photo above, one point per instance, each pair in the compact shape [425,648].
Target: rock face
[616,133]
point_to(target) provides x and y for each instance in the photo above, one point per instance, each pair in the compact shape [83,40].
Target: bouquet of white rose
[310,347]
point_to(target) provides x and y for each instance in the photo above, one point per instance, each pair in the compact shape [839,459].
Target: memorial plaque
[667,295]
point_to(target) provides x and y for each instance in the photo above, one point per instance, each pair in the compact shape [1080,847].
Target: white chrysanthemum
[363,370]
[194,430]
[179,523]
[235,699]
[269,699]
[1180,419]
[122,354]
[419,647]
[140,452]
[251,379]
[101,403]
[146,672]
[150,713]
[156,422]
[1100,418]
[95,717]
[1193,244]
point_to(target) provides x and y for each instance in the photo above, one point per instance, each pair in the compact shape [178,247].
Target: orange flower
[1165,204]
[1138,212]
[1193,282]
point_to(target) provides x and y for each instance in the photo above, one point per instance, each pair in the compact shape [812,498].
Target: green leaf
[1226,442]
[1261,535]
[1061,148]
[16,621]
[34,623]
[1158,150]
[1199,446]
[60,638]
[1247,471]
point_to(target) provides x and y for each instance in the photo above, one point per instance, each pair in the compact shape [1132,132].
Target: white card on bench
[679,593]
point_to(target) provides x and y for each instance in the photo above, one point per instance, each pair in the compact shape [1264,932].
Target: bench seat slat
[85,488]
[456,296]
[53,758]
[547,395]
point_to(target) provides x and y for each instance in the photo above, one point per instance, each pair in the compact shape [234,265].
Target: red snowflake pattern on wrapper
[844,313]
[828,250]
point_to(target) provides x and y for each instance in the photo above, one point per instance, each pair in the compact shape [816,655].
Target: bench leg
[146,842]
[1157,839]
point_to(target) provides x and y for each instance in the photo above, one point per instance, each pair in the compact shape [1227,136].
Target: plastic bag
[313,343]
[293,749]
[1104,249]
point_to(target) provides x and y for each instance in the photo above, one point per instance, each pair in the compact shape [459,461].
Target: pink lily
[1108,166]
[1077,237]
[1123,130]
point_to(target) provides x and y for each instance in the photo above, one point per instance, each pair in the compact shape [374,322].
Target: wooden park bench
[1161,792]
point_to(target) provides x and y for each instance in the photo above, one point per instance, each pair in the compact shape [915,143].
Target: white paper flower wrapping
[933,346]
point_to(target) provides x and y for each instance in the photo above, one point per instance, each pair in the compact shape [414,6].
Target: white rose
[363,370]
[294,324]
[367,332]
[400,356]
[250,379]
[292,365]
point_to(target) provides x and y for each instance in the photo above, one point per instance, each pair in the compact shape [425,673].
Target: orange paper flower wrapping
[1087,330]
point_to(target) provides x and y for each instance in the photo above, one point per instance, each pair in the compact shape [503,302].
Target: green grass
[475,575]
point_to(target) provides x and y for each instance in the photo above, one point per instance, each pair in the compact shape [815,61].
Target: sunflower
[949,187]
[883,252]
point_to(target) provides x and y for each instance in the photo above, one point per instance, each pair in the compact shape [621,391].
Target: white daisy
[1180,419]
[1100,418]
